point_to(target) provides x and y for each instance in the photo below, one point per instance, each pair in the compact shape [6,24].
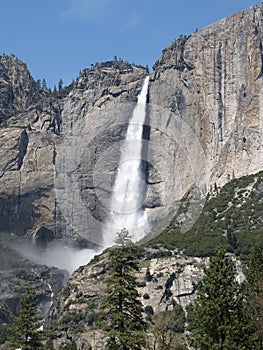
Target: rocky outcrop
[165,279]
[18,90]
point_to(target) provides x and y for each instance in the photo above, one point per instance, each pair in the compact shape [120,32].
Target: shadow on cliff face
[57,254]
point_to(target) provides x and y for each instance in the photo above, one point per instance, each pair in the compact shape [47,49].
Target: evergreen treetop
[123,319]
[220,322]
[25,331]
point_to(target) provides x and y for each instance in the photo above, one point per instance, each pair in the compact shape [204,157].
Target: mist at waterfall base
[129,188]
[57,254]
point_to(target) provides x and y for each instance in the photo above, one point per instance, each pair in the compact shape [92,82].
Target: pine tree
[219,318]
[123,319]
[24,331]
[44,84]
[60,85]
[254,296]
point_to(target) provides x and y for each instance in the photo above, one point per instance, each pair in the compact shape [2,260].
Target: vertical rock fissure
[220,99]
[23,143]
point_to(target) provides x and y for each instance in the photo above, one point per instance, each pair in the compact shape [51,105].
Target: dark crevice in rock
[54,155]
[167,293]
[43,236]
[23,142]
[149,182]
[195,287]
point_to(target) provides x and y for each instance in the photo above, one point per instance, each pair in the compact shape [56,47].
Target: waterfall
[129,187]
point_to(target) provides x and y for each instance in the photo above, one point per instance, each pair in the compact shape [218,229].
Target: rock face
[207,89]
[59,154]
[27,177]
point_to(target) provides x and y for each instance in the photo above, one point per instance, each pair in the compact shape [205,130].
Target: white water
[129,187]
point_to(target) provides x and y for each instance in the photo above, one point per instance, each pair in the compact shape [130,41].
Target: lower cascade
[129,187]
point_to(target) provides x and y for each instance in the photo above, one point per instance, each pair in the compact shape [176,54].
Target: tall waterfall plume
[129,187]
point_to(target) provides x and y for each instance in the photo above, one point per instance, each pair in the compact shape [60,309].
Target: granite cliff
[209,87]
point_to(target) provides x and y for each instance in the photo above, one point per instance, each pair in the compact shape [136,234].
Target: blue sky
[58,38]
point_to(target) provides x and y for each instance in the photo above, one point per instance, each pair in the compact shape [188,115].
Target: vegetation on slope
[232,218]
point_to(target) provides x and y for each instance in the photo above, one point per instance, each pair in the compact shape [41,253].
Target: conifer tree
[44,84]
[219,318]
[60,85]
[123,320]
[254,296]
[24,331]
